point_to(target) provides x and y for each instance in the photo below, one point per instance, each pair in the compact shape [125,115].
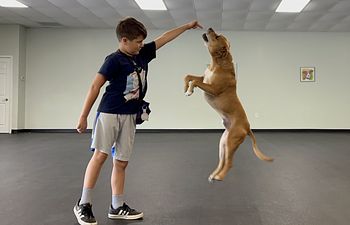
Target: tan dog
[219,86]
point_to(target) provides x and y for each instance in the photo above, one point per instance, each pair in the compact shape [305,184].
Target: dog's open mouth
[205,38]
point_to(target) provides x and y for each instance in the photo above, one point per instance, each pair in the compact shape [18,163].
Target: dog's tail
[257,151]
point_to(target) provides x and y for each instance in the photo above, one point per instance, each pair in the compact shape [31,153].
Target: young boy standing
[115,123]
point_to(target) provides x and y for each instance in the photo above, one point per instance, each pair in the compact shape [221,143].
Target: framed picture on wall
[307,74]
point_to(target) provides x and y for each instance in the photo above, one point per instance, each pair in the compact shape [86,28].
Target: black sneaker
[84,214]
[124,212]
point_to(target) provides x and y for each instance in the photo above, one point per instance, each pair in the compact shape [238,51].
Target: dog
[219,86]
[307,74]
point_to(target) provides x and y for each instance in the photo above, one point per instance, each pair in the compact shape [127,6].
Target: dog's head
[218,45]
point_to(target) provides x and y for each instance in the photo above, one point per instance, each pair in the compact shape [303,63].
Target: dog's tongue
[205,38]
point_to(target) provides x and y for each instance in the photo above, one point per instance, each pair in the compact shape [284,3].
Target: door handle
[5,100]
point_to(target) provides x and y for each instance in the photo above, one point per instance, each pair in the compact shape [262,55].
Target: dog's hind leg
[233,141]
[221,156]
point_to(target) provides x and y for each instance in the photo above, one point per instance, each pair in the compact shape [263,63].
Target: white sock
[117,201]
[86,196]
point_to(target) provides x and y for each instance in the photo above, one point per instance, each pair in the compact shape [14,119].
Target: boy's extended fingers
[195,24]
[198,25]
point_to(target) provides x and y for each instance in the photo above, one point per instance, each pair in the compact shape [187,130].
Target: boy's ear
[124,40]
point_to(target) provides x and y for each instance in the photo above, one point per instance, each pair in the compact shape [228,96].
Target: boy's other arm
[172,34]
[92,94]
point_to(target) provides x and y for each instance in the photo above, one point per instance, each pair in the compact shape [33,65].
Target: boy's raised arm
[172,34]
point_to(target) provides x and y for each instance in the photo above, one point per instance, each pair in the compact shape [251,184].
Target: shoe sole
[79,220]
[125,217]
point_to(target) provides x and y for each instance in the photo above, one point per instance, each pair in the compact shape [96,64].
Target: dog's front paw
[188,93]
[210,180]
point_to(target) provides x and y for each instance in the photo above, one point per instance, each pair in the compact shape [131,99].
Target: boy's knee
[120,165]
[100,156]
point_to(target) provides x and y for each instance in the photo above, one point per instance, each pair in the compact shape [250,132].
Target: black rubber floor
[308,183]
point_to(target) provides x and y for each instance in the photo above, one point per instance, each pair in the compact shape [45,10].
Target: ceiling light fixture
[292,6]
[12,4]
[151,4]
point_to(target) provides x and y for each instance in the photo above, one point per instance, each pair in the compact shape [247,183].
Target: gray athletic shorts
[114,133]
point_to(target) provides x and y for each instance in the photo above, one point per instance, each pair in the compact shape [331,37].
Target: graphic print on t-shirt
[132,85]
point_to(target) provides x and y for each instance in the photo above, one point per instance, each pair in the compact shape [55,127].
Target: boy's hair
[130,28]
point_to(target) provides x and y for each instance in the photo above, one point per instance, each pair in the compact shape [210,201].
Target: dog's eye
[217,37]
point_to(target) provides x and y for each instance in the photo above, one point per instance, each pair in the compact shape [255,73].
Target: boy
[115,122]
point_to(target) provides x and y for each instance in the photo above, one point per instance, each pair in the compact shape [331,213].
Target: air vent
[50,24]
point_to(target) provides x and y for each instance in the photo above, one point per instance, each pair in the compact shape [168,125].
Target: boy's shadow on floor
[119,222]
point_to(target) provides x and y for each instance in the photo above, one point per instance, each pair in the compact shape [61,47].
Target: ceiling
[236,15]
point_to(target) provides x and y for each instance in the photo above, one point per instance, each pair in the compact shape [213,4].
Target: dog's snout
[210,30]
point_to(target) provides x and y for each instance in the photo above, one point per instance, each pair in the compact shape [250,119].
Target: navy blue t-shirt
[122,93]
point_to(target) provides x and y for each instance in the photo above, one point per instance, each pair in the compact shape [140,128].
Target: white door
[5,89]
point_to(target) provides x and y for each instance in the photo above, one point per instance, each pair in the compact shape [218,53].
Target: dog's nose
[210,30]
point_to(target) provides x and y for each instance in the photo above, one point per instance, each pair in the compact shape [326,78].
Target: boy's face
[132,47]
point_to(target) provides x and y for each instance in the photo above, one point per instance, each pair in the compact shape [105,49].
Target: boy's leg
[119,209]
[102,141]
[124,145]
[117,182]
[91,174]
[83,208]
[123,148]
[125,135]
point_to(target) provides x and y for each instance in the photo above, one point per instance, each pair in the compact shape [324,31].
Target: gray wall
[13,43]
[61,63]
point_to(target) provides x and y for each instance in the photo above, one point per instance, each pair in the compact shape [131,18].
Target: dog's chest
[208,75]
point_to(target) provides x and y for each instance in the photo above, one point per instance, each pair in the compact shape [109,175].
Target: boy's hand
[82,125]
[172,34]
[193,25]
